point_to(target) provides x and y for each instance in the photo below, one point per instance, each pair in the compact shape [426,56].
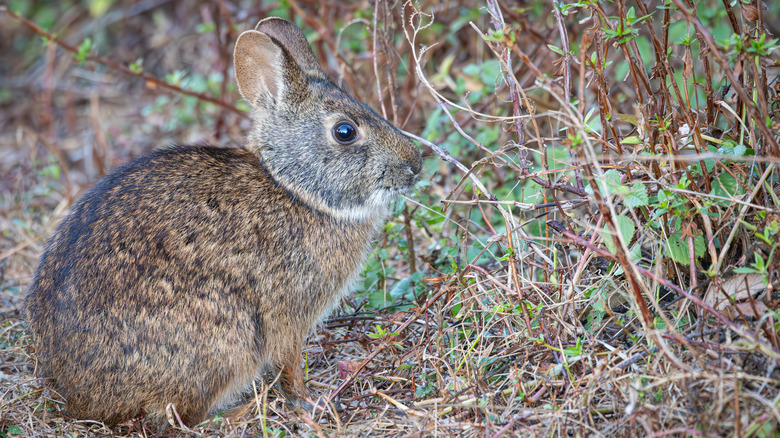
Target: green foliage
[726,186]
[12,430]
[624,32]
[598,311]
[206,27]
[664,198]
[677,248]
[760,266]
[382,334]
[83,51]
[757,47]
[98,8]
[426,386]
[137,66]
[626,228]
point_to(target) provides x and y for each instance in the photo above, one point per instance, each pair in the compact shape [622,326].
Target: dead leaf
[737,287]
[750,13]
[433,280]
[498,237]
[687,64]
[347,368]
[746,308]
[399,316]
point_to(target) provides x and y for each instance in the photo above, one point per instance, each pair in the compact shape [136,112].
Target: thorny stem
[497,20]
[379,92]
[567,85]
[409,240]
[449,158]
[542,182]
[758,119]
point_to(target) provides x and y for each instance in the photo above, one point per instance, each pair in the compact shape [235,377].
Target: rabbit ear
[295,42]
[262,70]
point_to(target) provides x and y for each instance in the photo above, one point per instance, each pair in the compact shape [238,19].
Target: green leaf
[745,270]
[737,150]
[699,246]
[490,70]
[726,186]
[631,140]
[426,389]
[610,185]
[626,227]
[401,289]
[759,262]
[379,298]
[380,333]
[597,312]
[205,27]
[678,248]
[83,50]
[555,49]
[637,197]
[628,118]
[98,8]
[575,350]
[137,66]
[175,78]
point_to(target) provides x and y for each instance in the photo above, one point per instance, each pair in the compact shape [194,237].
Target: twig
[758,119]
[449,158]
[374,59]
[117,66]
[387,342]
[742,212]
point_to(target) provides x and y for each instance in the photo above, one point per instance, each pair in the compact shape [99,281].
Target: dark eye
[345,132]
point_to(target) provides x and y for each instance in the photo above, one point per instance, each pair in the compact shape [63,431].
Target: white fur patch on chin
[376,206]
[358,214]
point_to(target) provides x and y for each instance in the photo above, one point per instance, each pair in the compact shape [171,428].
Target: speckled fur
[183,275]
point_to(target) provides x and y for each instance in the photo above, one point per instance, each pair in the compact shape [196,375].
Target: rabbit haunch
[182,276]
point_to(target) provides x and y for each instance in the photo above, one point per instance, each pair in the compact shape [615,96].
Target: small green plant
[382,334]
[426,386]
[137,66]
[760,266]
[83,51]
[624,32]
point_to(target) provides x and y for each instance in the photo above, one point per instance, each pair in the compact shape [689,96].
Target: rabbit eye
[345,132]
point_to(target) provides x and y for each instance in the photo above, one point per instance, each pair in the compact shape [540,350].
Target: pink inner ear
[258,66]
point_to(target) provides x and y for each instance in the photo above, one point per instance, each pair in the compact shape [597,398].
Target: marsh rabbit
[187,273]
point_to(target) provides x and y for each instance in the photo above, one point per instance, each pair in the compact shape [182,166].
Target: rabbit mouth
[397,188]
[392,183]
[391,192]
[398,191]
[398,181]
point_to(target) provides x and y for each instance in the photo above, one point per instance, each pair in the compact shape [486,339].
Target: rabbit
[184,275]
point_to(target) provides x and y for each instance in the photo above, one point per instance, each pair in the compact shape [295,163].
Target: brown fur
[181,276]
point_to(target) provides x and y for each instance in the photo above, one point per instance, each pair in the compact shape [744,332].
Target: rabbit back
[177,278]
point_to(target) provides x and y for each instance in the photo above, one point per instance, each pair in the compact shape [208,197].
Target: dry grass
[533,317]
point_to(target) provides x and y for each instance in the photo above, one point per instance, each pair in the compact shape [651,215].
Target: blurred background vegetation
[591,251]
